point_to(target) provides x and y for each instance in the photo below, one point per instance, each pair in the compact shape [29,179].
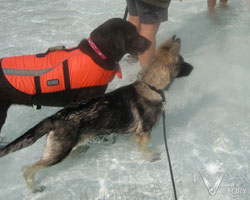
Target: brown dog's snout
[139,45]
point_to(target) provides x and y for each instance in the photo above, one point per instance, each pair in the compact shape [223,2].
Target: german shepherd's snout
[185,68]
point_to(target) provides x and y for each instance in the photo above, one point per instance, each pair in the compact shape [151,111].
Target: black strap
[66,74]
[125,14]
[66,78]
[168,155]
[38,107]
[37,84]
[38,89]
[161,92]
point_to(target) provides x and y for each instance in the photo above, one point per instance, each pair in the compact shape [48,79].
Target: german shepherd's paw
[104,139]
[79,150]
[29,176]
[38,188]
[151,156]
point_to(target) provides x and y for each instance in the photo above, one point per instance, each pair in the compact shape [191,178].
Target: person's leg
[133,14]
[248,3]
[210,5]
[149,31]
[223,3]
[150,19]
[135,20]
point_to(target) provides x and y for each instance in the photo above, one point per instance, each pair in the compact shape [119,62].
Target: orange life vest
[55,71]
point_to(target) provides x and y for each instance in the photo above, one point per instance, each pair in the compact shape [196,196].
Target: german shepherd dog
[134,108]
[114,38]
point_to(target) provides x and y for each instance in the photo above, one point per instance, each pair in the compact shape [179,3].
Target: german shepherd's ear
[167,44]
[175,49]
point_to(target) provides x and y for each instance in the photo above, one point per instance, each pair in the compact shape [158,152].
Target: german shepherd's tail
[28,138]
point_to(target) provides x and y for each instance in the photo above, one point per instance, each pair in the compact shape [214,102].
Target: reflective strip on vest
[21,72]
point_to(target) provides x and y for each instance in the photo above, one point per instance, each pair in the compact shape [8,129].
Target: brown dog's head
[116,37]
[166,65]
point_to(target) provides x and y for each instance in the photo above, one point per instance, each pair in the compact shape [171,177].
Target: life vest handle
[56,48]
[51,49]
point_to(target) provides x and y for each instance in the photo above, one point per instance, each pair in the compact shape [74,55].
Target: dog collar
[96,49]
[160,92]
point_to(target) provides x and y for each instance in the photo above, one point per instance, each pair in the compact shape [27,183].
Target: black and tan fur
[114,38]
[134,108]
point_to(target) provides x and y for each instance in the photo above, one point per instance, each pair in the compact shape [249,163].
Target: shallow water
[208,113]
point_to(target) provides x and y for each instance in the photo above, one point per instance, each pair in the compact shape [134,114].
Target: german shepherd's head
[166,65]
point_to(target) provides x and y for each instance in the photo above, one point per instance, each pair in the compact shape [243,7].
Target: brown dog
[134,108]
[114,38]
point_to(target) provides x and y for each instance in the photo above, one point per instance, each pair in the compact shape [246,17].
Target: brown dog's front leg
[3,113]
[143,141]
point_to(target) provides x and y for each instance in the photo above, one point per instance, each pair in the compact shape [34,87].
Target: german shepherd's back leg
[4,106]
[59,144]
[142,140]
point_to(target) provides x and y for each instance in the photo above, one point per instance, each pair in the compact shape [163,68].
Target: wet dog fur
[134,108]
[115,38]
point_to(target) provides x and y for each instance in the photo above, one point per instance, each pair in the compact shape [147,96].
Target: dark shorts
[148,14]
